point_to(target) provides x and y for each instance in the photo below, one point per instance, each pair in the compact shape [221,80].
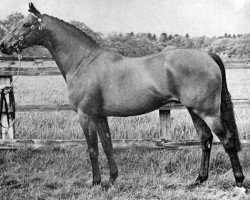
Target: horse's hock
[7,130]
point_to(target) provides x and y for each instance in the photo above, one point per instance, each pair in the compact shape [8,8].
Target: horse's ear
[33,10]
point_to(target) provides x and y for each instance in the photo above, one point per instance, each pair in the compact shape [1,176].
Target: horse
[102,83]
[37,62]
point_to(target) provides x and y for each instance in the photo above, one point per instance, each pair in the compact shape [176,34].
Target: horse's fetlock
[239,177]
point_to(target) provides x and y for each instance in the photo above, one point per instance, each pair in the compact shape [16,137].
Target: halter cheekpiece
[21,39]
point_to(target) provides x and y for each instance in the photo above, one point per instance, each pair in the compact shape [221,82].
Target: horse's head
[26,33]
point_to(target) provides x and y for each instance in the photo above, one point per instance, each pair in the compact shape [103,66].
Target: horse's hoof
[106,185]
[194,185]
[111,181]
[94,183]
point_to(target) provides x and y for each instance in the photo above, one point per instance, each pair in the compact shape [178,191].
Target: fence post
[6,131]
[165,124]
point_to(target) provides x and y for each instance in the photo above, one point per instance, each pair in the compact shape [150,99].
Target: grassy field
[143,174]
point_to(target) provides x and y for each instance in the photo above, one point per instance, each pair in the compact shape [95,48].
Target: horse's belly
[135,91]
[129,105]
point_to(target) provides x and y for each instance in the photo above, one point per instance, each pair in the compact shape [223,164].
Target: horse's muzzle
[5,49]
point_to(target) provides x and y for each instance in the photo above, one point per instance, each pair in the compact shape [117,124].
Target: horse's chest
[84,95]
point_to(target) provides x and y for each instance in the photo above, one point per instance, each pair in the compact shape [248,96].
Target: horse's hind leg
[206,139]
[230,140]
[104,134]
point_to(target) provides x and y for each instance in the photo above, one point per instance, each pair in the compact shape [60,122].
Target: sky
[195,17]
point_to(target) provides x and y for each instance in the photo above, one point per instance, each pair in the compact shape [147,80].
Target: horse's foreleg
[206,139]
[90,130]
[105,137]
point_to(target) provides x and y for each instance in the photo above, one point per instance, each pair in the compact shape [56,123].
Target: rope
[8,89]
[18,71]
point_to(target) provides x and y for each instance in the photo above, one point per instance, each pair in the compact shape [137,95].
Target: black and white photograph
[124,99]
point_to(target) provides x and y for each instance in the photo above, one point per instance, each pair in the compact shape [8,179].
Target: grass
[50,174]
[143,174]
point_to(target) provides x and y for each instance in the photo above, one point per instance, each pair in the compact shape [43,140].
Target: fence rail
[12,144]
[54,71]
[8,141]
[239,103]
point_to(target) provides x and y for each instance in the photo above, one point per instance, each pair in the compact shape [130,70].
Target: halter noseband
[21,39]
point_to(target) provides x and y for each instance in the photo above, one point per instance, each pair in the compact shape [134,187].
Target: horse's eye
[27,24]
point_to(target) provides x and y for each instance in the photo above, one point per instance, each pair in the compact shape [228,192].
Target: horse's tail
[227,112]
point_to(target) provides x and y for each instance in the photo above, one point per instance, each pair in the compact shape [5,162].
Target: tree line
[141,44]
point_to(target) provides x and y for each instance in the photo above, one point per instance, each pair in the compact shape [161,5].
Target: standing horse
[102,83]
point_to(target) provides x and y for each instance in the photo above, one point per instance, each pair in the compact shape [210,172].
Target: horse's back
[146,83]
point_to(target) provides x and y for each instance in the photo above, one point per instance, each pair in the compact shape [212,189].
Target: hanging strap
[10,113]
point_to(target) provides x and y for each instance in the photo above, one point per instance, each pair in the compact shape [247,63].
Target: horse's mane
[90,34]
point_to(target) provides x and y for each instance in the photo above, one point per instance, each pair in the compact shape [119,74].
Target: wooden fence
[8,140]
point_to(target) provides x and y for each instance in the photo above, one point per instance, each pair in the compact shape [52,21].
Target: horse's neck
[68,46]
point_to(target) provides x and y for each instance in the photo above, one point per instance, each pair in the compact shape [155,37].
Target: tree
[149,35]
[163,37]
[3,31]
[199,42]
[136,46]
[154,38]
[11,20]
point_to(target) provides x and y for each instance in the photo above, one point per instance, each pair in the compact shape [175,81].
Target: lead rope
[3,102]
[19,56]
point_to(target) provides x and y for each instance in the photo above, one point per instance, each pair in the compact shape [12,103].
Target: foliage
[7,24]
[238,47]
[141,44]
[11,20]
[137,45]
